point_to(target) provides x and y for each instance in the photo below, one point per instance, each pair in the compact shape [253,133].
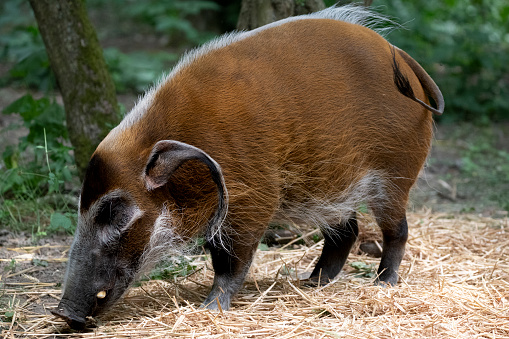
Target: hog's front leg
[231,261]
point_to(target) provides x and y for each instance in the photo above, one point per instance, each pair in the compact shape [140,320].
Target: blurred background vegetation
[463,44]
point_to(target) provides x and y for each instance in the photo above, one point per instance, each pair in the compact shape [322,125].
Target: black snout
[75,321]
[95,279]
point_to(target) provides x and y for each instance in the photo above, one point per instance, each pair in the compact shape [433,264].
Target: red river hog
[303,119]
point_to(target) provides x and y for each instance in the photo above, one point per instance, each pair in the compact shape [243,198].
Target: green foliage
[130,72]
[136,71]
[21,46]
[31,67]
[34,171]
[263,247]
[170,269]
[363,270]
[8,306]
[171,16]
[484,166]
[32,213]
[39,262]
[47,133]
[62,222]
[464,45]
[11,267]
[8,316]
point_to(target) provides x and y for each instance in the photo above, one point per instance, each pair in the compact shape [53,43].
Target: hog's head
[123,218]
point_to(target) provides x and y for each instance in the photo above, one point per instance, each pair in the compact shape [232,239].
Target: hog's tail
[431,89]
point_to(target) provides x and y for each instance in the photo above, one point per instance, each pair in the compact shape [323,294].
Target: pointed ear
[168,155]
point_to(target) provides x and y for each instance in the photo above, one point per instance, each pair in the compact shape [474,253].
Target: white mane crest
[354,14]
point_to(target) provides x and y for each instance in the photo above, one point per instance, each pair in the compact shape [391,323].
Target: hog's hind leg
[390,216]
[395,235]
[338,240]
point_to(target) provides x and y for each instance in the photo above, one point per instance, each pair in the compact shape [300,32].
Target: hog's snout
[75,319]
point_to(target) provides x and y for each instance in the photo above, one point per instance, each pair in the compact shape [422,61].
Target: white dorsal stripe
[349,13]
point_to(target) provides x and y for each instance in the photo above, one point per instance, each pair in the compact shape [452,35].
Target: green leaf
[23,105]
[8,315]
[10,157]
[38,262]
[359,265]
[60,222]
[364,270]
[263,247]
[11,266]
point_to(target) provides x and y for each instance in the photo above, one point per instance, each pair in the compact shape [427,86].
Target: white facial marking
[108,234]
[163,243]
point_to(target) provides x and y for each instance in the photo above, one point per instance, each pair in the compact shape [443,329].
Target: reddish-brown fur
[276,117]
[305,120]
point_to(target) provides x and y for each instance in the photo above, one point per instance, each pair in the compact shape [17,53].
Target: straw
[454,284]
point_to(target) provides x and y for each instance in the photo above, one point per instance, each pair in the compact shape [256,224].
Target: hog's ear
[168,155]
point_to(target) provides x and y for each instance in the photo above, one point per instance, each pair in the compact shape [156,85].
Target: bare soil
[24,266]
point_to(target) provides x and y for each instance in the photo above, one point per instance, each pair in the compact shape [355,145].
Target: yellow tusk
[101,294]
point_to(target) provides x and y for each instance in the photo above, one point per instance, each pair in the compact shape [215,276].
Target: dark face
[125,225]
[101,263]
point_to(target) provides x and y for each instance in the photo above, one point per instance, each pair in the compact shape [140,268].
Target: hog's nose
[75,321]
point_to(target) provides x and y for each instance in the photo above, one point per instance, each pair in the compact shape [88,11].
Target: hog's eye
[113,212]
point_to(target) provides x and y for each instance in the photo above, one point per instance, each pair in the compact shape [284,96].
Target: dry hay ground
[454,284]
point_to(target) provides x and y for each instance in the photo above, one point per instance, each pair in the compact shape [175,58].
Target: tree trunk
[78,63]
[256,13]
